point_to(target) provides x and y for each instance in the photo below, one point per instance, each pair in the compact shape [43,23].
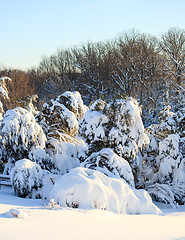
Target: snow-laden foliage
[93,126]
[164,159]
[109,163]
[62,114]
[88,189]
[117,125]
[157,134]
[59,120]
[180,115]
[126,134]
[169,158]
[42,158]
[26,176]
[19,134]
[73,101]
[3,93]
[66,155]
[29,104]
[179,174]
[161,193]
[58,117]
[167,193]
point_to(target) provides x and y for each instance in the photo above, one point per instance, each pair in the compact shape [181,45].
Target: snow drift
[88,189]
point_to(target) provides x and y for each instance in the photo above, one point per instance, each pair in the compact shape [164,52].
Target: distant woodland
[137,65]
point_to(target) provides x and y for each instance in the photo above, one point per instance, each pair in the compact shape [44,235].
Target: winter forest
[101,125]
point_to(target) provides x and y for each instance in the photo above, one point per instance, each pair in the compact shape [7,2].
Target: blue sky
[30,29]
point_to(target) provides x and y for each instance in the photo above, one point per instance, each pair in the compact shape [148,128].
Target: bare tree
[173,45]
[137,66]
[94,63]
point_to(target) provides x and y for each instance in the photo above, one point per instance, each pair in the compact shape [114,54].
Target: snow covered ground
[39,223]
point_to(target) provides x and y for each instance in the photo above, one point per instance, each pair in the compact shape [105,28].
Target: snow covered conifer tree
[93,127]
[62,114]
[165,157]
[20,134]
[161,102]
[118,126]
[157,134]
[180,113]
[59,120]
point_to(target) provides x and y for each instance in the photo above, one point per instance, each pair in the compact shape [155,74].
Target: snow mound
[16,213]
[109,163]
[88,189]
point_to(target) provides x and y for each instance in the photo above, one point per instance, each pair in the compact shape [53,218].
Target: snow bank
[88,189]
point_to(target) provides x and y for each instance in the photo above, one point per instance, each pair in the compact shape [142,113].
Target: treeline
[149,69]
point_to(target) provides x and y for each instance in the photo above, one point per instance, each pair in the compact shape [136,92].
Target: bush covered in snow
[109,163]
[42,158]
[19,134]
[164,159]
[117,125]
[86,188]
[169,157]
[73,101]
[167,193]
[26,176]
[59,120]
[113,157]
[62,114]
[66,154]
[93,126]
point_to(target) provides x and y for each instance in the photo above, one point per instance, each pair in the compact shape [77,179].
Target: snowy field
[38,223]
